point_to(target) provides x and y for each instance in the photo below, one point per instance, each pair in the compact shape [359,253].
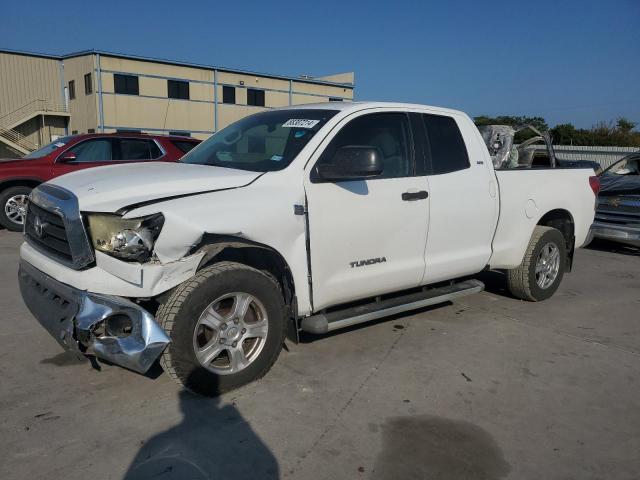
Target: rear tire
[13,207]
[540,273]
[201,317]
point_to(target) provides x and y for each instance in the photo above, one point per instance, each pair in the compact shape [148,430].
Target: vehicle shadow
[613,247]
[495,282]
[212,441]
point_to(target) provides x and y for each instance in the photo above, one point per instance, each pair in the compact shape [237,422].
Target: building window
[335,99]
[255,97]
[91,130]
[74,132]
[180,134]
[178,89]
[228,94]
[72,89]
[88,84]
[126,84]
[128,130]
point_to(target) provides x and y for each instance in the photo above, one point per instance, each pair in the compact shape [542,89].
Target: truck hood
[114,187]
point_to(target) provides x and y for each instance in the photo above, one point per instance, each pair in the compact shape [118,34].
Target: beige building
[43,97]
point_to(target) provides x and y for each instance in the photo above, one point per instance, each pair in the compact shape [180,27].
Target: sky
[568,61]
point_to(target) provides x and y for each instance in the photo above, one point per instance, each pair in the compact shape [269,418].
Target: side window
[178,89]
[96,150]
[137,149]
[255,97]
[183,146]
[446,145]
[228,94]
[389,132]
[126,84]
[88,84]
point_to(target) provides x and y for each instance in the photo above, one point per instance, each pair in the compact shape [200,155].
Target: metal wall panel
[24,79]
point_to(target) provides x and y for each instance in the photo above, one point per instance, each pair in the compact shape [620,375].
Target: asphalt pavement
[486,387]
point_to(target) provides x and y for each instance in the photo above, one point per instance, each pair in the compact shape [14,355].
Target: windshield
[47,149]
[263,142]
[626,166]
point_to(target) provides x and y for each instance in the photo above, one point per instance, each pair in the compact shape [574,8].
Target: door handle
[412,196]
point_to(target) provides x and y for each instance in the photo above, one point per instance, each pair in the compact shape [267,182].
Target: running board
[327,322]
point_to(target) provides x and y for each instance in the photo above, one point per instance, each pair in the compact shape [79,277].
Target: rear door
[463,198]
[367,237]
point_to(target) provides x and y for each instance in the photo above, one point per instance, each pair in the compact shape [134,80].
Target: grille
[619,210]
[52,236]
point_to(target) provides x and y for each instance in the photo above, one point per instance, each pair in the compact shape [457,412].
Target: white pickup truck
[307,218]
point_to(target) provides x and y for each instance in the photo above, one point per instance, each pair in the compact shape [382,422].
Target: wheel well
[19,182]
[563,221]
[220,248]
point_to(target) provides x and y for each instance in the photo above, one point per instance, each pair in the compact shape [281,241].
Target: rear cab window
[445,148]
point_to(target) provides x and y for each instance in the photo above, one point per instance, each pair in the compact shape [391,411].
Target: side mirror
[67,156]
[353,162]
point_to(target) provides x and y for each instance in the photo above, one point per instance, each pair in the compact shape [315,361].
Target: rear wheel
[13,207]
[227,326]
[542,268]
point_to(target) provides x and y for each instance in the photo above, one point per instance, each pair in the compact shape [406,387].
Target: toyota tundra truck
[300,219]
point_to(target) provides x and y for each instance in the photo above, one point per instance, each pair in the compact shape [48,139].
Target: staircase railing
[13,118]
[18,139]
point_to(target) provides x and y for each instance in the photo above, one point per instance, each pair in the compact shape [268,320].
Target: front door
[367,237]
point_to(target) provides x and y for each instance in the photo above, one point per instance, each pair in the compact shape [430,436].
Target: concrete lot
[488,387]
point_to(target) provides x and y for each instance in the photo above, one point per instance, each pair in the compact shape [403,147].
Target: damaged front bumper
[112,328]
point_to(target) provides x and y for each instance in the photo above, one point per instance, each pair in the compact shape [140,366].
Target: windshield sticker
[277,158]
[300,123]
[59,144]
[299,134]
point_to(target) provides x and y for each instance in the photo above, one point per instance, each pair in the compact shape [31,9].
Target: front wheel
[13,207]
[227,326]
[542,268]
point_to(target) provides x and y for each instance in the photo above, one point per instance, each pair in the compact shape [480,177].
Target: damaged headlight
[129,239]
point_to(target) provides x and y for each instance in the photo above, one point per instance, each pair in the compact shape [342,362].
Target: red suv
[68,154]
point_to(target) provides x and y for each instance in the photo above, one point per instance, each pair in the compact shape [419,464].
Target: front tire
[13,207]
[227,326]
[540,273]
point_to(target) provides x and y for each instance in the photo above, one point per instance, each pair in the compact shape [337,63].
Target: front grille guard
[64,203]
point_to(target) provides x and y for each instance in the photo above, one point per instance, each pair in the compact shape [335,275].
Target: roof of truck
[358,106]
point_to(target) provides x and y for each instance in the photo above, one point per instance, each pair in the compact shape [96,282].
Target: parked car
[618,211]
[77,152]
[311,218]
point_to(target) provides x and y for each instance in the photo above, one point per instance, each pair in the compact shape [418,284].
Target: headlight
[125,238]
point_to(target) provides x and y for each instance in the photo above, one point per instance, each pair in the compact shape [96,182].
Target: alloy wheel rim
[16,208]
[547,265]
[230,333]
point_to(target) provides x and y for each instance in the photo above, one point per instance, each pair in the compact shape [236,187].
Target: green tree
[625,126]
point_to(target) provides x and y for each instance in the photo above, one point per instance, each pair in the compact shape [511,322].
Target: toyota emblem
[38,226]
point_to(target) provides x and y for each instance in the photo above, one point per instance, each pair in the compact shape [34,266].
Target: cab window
[389,132]
[445,144]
